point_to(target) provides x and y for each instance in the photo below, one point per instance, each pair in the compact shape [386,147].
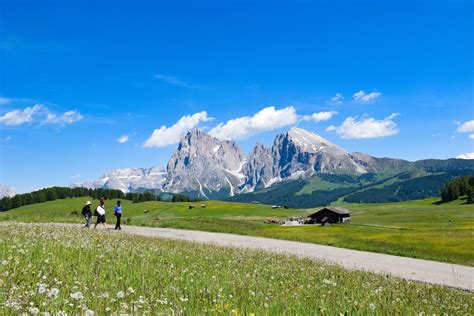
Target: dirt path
[407,268]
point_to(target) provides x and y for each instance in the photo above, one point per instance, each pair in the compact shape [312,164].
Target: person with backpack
[118,215]
[100,212]
[87,213]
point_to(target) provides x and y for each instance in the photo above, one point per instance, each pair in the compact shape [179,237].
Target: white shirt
[100,210]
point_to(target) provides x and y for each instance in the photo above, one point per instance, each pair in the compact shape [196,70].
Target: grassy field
[417,229]
[84,272]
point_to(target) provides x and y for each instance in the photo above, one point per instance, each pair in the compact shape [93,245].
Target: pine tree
[136,198]
[470,195]
[6,203]
[41,197]
[16,201]
[27,199]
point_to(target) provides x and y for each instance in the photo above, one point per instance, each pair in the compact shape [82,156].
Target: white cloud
[466,156]
[392,116]
[179,83]
[471,136]
[361,96]
[165,136]
[331,128]
[366,127]
[172,81]
[39,113]
[337,99]
[8,101]
[466,127]
[319,116]
[123,139]
[18,117]
[265,120]
[66,118]
[5,101]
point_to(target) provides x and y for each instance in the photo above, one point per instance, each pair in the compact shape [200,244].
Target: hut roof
[337,210]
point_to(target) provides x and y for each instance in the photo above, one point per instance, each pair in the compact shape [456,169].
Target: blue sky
[76,76]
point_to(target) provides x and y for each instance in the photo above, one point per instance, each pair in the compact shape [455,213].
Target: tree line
[183,198]
[286,194]
[458,187]
[54,193]
[406,190]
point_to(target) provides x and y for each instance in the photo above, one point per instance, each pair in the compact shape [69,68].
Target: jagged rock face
[205,164]
[258,169]
[130,179]
[5,190]
[211,168]
[299,153]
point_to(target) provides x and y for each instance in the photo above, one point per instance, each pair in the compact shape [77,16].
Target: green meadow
[419,229]
[48,270]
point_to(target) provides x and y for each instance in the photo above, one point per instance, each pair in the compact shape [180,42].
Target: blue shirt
[118,209]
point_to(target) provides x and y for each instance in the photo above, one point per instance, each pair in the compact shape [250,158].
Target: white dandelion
[77,296]
[54,292]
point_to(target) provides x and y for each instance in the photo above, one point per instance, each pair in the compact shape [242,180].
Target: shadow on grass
[464,198]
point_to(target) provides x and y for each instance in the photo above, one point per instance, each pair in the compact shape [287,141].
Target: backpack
[86,209]
[95,212]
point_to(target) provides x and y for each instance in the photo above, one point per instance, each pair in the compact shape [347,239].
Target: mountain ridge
[206,167]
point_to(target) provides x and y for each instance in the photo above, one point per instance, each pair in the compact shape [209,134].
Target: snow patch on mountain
[129,179]
[210,167]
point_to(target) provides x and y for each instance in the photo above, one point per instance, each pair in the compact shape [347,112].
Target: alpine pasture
[419,229]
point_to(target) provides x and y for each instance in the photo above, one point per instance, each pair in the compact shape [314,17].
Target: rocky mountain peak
[204,164]
[258,148]
[129,179]
[258,168]
[198,143]
[300,153]
[308,141]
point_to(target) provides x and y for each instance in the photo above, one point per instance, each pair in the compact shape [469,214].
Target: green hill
[413,184]
[420,229]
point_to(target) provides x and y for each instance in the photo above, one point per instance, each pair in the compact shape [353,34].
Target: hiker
[118,214]
[86,211]
[100,212]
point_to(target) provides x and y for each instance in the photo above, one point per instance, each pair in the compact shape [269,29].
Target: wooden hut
[330,215]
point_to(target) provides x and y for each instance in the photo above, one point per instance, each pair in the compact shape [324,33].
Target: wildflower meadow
[48,270]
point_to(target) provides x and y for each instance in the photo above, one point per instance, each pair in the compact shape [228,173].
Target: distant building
[330,215]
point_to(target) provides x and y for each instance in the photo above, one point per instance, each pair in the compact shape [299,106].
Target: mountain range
[203,166]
